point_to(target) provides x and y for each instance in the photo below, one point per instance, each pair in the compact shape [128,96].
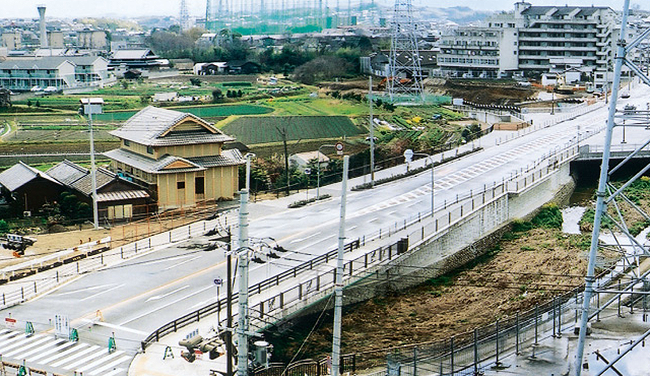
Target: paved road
[141,294]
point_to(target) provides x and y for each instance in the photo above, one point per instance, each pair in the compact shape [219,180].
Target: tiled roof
[122,195]
[149,165]
[148,126]
[134,54]
[227,158]
[67,172]
[85,184]
[74,176]
[20,174]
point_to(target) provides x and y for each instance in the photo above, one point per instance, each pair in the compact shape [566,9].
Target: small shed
[301,160]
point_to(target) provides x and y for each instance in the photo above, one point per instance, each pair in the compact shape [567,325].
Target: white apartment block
[532,40]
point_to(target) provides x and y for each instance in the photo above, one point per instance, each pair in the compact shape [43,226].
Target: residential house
[117,197]
[302,160]
[29,187]
[178,156]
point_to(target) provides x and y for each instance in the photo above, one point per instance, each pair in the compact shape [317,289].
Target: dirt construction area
[527,268]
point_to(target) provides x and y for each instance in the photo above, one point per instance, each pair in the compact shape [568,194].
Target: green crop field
[200,111]
[264,129]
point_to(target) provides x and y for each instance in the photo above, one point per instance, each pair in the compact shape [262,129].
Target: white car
[36,88]
[51,89]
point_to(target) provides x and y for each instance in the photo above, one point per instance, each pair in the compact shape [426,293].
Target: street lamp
[318,168]
[91,106]
[408,155]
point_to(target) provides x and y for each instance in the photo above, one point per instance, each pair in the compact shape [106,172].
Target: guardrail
[68,267]
[312,276]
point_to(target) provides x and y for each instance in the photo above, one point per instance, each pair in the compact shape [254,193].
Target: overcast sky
[111,8]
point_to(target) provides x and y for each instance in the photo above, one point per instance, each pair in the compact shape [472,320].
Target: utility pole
[372,135]
[338,289]
[92,106]
[283,134]
[242,253]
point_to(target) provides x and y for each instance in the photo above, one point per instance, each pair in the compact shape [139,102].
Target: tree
[195,81]
[320,69]
[4,227]
[125,84]
[217,95]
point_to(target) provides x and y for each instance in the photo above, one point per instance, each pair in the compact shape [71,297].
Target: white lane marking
[91,288]
[199,291]
[181,263]
[114,372]
[75,356]
[373,220]
[74,365]
[48,352]
[102,292]
[96,363]
[20,343]
[158,297]
[65,353]
[305,238]
[113,326]
[110,365]
[351,228]
[17,351]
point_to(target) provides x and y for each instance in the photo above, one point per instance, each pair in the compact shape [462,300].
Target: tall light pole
[92,106]
[242,254]
[338,288]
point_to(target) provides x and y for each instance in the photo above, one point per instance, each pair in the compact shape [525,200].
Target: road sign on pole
[339,148]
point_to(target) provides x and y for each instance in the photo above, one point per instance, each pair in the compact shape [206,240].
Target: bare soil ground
[528,268]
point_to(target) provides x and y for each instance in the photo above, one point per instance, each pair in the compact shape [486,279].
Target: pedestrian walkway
[60,356]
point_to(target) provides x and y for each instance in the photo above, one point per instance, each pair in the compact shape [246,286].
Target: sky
[123,8]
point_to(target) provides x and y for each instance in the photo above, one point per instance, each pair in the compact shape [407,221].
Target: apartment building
[61,72]
[532,40]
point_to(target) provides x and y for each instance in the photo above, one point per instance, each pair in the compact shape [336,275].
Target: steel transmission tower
[609,197]
[404,76]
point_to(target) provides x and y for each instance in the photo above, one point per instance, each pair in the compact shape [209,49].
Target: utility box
[262,350]
[402,246]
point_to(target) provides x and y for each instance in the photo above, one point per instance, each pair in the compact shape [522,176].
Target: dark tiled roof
[227,158]
[20,174]
[67,172]
[150,165]
[103,177]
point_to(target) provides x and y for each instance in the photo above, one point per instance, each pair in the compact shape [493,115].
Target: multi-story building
[92,39]
[532,40]
[179,157]
[61,72]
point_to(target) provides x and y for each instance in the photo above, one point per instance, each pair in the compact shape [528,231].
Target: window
[127,143]
[180,185]
[150,149]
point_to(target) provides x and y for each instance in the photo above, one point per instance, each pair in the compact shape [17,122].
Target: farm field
[304,105]
[200,111]
[264,129]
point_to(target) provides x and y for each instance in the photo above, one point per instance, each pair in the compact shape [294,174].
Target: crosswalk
[43,351]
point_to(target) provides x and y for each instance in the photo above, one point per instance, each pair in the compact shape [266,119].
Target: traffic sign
[339,148]
[307,171]
[408,155]
[218,281]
